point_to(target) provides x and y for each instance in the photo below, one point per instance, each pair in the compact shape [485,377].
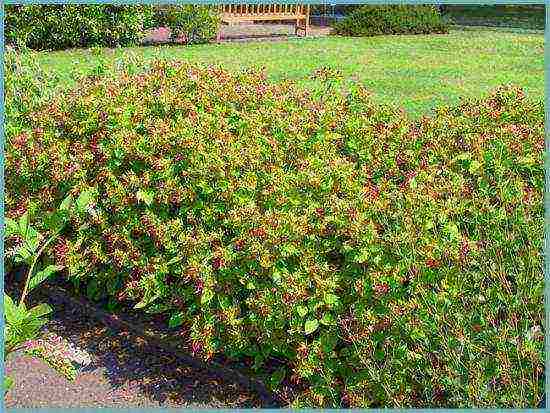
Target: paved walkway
[123,372]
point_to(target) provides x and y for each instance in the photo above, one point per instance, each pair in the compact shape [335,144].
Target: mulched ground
[244,32]
[124,372]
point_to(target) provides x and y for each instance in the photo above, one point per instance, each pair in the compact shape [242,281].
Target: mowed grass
[525,17]
[415,72]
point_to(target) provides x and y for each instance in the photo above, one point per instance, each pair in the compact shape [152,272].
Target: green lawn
[523,17]
[416,72]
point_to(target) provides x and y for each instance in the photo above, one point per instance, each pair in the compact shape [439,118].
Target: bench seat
[231,13]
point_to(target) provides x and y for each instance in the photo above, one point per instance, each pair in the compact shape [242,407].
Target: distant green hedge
[54,27]
[399,19]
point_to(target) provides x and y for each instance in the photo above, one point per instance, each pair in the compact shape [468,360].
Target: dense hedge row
[389,262]
[64,26]
[396,19]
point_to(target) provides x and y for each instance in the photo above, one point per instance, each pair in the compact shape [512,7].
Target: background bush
[196,24]
[386,261]
[397,19]
[51,27]
[64,26]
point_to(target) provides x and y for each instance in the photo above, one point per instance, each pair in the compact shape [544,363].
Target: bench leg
[304,28]
[306,22]
[298,27]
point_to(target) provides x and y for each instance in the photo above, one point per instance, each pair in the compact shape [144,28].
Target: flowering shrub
[63,26]
[389,262]
[396,19]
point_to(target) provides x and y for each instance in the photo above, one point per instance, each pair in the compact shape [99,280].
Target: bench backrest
[237,10]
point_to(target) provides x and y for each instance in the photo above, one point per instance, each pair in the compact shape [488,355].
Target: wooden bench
[236,13]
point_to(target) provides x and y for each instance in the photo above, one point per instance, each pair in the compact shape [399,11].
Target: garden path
[245,32]
[124,372]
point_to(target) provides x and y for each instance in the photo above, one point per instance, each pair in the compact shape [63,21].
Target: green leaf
[141,304]
[207,296]
[85,199]
[144,196]
[277,276]
[112,304]
[146,301]
[156,308]
[174,261]
[225,301]
[302,310]
[328,342]
[379,354]
[23,224]
[289,250]
[11,227]
[31,326]
[92,289]
[8,383]
[277,377]
[258,360]
[57,220]
[310,326]
[315,304]
[40,276]
[10,310]
[32,240]
[328,319]
[363,255]
[474,166]
[176,320]
[464,156]
[413,183]
[331,299]
[40,310]
[67,203]
[452,230]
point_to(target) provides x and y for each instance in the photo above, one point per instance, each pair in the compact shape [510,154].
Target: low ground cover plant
[396,19]
[23,324]
[386,261]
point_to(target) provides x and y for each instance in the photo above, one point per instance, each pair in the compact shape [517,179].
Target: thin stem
[34,261]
